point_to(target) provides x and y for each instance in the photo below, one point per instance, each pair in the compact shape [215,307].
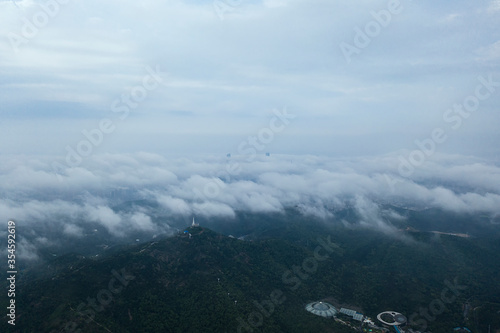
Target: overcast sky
[223,70]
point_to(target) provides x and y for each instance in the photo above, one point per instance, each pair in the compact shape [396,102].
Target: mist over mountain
[145,194]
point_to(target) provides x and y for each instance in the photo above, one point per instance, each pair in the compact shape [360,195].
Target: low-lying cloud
[102,192]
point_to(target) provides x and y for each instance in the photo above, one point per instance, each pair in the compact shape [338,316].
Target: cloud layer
[33,191]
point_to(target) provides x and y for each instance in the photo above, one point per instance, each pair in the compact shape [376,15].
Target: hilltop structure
[194,224]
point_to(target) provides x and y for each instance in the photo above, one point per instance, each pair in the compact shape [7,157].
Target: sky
[360,78]
[358,103]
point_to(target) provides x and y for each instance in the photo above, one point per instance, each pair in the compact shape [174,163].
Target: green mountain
[202,281]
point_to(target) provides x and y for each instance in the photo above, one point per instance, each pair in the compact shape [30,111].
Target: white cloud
[174,205]
[494,6]
[176,190]
[26,250]
[73,230]
[141,221]
[213,209]
[184,187]
[107,218]
[490,52]
[370,215]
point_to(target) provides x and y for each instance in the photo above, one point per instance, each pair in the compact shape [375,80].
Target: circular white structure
[391,318]
[321,309]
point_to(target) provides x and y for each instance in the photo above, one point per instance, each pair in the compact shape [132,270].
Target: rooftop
[321,309]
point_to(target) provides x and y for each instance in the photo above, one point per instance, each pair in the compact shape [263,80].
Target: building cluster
[391,320]
[326,310]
